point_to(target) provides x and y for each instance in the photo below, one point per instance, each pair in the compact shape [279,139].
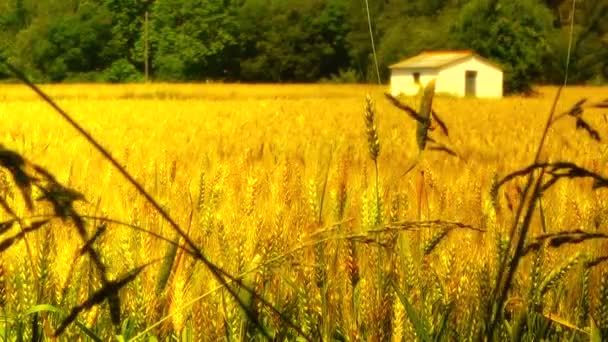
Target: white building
[457,73]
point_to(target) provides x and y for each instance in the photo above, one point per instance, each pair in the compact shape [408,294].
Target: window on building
[417,78]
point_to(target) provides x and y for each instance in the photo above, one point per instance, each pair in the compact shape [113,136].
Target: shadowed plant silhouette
[107,291]
[556,171]
[28,176]
[15,164]
[559,239]
[24,230]
[576,112]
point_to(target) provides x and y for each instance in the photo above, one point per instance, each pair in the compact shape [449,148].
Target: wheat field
[276,185]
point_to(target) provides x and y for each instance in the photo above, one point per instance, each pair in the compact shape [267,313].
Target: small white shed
[458,73]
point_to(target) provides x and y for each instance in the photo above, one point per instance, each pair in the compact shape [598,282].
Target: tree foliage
[300,41]
[193,39]
[297,40]
[514,33]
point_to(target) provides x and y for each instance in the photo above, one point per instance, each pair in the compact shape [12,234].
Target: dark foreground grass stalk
[506,271]
[557,171]
[504,274]
[217,272]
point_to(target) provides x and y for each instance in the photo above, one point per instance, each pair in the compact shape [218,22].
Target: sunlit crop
[276,184]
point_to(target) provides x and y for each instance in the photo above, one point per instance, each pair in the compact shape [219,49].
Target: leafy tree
[422,32]
[589,53]
[193,39]
[358,38]
[127,29]
[58,46]
[400,28]
[122,70]
[14,16]
[513,33]
[295,41]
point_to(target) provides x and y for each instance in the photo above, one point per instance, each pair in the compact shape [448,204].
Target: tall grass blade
[595,334]
[165,270]
[417,321]
[425,113]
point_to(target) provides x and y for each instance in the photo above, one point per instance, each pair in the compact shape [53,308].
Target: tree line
[297,40]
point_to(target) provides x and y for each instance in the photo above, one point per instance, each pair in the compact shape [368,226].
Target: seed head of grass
[601,310]
[3,283]
[558,274]
[425,114]
[373,142]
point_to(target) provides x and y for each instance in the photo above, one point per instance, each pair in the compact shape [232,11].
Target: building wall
[451,79]
[489,79]
[402,81]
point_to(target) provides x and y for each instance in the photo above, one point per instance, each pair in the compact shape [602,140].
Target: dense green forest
[296,40]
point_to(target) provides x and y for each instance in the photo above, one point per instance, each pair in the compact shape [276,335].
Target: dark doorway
[417,78]
[470,85]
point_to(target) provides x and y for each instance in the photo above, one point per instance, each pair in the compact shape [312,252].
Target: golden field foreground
[276,184]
